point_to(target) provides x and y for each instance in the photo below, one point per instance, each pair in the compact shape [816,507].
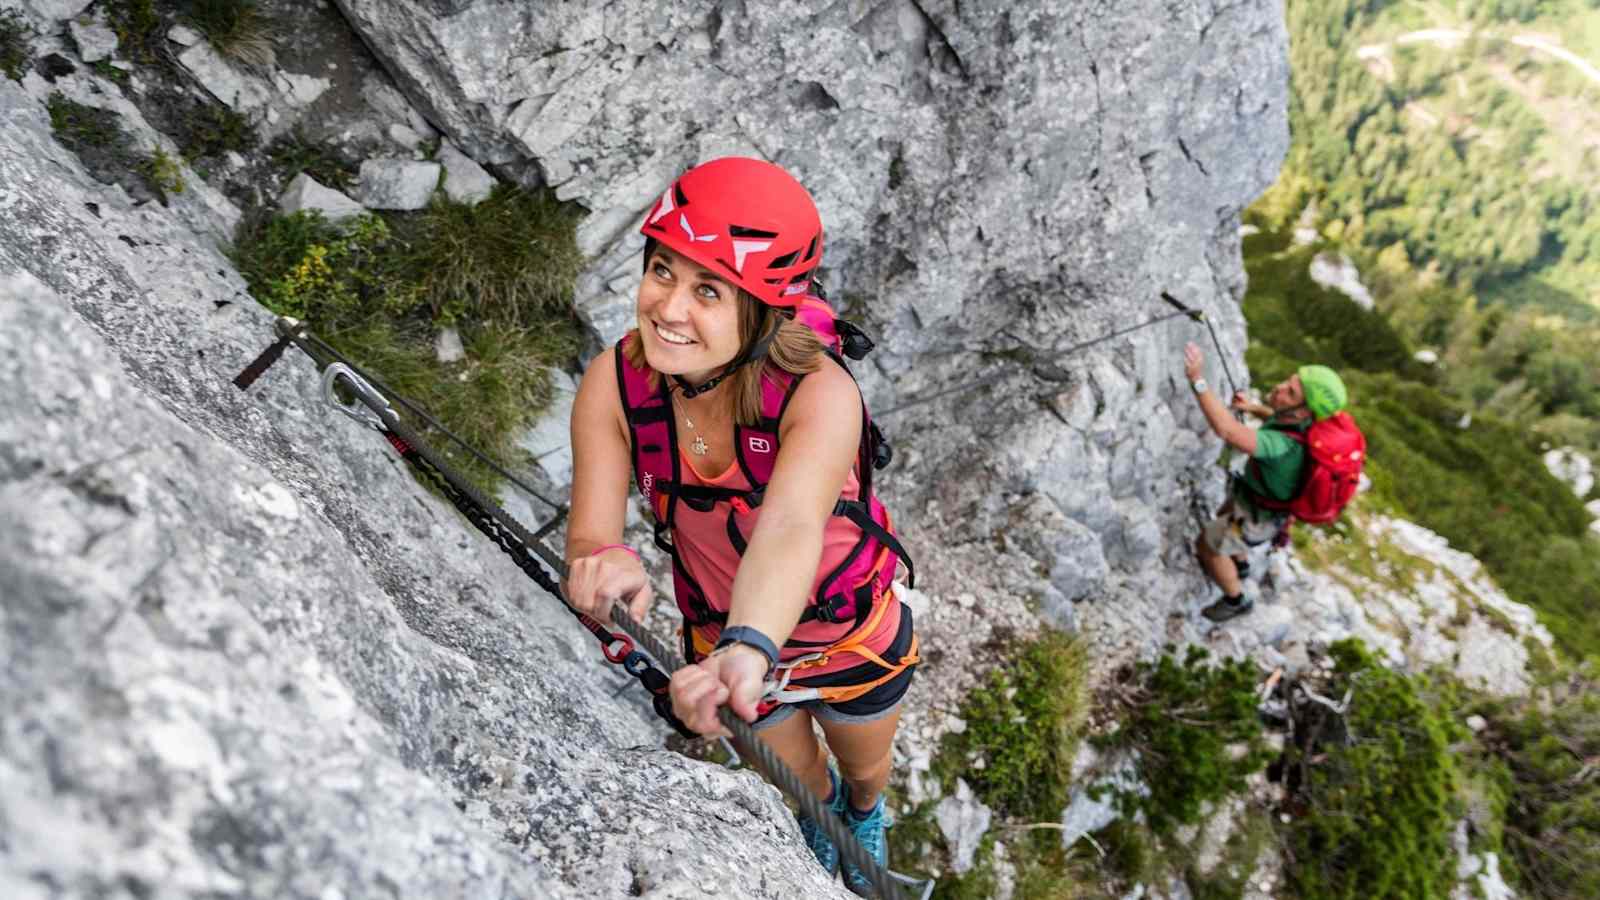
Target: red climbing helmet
[748,221]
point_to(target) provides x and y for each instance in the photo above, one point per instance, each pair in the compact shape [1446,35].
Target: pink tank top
[709,557]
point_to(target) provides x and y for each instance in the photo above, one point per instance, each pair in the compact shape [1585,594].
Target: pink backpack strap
[757,448]
[650,425]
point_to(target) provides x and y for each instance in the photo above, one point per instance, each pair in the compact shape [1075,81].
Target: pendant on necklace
[699,446]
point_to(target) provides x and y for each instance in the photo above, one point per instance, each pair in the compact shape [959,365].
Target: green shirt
[1276,466]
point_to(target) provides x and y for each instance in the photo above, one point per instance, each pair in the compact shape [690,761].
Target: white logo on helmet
[683,220]
[741,249]
[760,445]
[663,206]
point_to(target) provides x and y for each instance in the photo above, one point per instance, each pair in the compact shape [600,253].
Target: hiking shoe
[1225,609]
[827,854]
[872,832]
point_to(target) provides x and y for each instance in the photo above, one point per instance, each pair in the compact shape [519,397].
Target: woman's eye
[707,292]
[662,271]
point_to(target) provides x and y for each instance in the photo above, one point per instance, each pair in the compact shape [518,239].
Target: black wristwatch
[750,637]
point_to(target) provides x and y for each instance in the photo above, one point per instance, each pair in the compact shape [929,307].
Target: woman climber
[748,440]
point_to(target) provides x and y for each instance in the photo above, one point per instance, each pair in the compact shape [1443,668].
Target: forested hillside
[1451,149]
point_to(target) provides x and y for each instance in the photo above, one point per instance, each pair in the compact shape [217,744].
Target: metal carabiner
[366,397]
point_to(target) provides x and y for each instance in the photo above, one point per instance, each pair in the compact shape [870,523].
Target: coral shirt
[710,558]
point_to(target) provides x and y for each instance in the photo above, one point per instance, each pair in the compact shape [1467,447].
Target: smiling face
[688,317]
[1287,395]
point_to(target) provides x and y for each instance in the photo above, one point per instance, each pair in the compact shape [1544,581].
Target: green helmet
[1325,393]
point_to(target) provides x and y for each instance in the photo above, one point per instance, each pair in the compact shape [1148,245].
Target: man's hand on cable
[596,582]
[1194,362]
[734,676]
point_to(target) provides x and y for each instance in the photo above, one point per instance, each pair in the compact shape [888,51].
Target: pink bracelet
[630,550]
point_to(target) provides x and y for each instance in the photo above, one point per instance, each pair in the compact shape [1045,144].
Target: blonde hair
[794,349]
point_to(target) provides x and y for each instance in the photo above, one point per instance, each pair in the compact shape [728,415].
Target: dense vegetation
[1478,480]
[1460,175]
[380,288]
[1373,788]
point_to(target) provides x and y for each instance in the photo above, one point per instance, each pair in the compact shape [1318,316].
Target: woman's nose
[675,305]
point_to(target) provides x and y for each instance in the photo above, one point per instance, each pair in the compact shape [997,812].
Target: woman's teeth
[672,337]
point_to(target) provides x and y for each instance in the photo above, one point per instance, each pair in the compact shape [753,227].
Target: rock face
[998,180]
[242,653]
[1001,181]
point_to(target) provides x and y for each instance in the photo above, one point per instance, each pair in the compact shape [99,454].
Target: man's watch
[1200,386]
[750,637]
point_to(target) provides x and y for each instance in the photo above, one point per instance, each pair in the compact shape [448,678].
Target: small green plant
[1025,724]
[15,48]
[236,29]
[105,69]
[164,172]
[214,129]
[294,152]
[1196,731]
[138,27]
[1374,788]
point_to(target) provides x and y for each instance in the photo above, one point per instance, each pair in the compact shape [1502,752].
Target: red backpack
[1337,450]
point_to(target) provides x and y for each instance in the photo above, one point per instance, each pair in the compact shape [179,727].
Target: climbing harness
[635,649]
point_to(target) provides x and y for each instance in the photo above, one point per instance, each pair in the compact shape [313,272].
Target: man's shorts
[875,704]
[1239,527]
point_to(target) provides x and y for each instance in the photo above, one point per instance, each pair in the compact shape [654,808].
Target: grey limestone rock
[963,819]
[240,90]
[242,653]
[95,39]
[306,193]
[464,180]
[53,10]
[397,183]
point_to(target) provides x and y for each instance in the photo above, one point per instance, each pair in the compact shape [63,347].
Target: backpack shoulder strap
[649,426]
[756,448]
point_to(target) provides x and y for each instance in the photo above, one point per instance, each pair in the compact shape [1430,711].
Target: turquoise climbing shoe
[872,832]
[817,839]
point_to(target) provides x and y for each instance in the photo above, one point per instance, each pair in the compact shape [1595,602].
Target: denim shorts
[875,704]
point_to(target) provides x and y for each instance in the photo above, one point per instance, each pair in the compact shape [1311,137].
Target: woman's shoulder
[825,393]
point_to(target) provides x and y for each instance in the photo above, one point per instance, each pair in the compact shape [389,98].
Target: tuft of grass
[109,72]
[138,27]
[294,152]
[16,51]
[237,29]
[358,286]
[1185,720]
[79,127]
[213,129]
[1025,724]
[512,258]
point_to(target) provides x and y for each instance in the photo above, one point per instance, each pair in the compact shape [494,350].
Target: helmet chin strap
[757,351]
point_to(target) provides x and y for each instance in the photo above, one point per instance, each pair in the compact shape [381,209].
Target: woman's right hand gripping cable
[614,574]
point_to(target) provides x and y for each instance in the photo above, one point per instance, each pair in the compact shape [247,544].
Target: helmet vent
[785,261]
[739,231]
[812,250]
